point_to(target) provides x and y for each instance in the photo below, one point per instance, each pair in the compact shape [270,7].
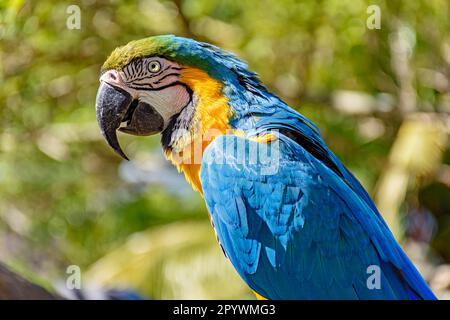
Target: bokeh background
[380,97]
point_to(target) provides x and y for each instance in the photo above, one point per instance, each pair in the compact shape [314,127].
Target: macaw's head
[166,83]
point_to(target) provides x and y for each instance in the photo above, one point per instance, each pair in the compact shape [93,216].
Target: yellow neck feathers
[210,120]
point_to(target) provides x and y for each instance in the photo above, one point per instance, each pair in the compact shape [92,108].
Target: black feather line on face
[126,71]
[165,76]
[163,87]
[142,86]
[133,68]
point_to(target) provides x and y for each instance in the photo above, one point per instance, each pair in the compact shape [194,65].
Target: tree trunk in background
[13,286]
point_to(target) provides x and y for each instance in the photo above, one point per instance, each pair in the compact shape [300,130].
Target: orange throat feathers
[210,120]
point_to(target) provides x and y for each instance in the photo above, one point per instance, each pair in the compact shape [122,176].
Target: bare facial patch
[156,82]
[151,73]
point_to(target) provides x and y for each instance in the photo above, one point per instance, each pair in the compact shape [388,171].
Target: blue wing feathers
[303,232]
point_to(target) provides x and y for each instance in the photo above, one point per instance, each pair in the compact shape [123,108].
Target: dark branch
[15,287]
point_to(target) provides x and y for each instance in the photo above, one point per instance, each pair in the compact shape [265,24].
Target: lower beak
[114,106]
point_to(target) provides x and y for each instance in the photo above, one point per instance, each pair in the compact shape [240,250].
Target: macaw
[291,218]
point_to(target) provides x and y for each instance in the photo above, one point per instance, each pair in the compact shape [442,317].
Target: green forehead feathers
[153,46]
[219,64]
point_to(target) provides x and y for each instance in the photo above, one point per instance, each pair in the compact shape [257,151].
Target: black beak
[114,106]
[111,106]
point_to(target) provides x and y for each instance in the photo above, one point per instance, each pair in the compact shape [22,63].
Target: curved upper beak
[111,106]
[115,105]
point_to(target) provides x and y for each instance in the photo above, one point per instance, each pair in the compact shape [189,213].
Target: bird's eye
[154,66]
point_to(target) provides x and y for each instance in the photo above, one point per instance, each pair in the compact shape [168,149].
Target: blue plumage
[301,233]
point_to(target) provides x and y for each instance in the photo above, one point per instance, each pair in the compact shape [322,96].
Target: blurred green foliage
[66,198]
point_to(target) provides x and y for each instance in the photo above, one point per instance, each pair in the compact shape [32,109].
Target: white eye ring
[154,66]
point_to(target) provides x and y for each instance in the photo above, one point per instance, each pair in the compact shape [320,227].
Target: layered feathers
[301,233]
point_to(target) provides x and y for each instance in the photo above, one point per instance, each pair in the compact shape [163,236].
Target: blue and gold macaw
[293,221]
